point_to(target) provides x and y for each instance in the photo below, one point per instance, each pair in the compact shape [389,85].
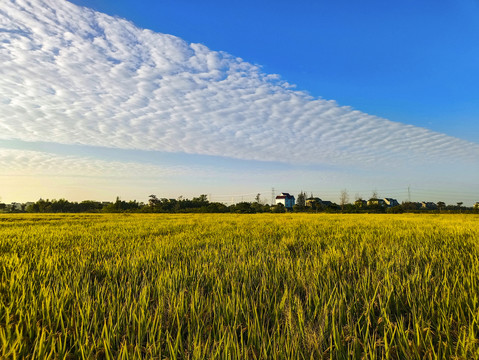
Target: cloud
[74,76]
[36,163]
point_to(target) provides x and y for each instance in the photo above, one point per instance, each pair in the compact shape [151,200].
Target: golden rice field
[222,286]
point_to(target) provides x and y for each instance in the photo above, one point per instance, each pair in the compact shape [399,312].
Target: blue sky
[242,98]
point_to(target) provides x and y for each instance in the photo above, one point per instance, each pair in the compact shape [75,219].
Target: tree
[278,208]
[258,198]
[153,201]
[441,205]
[202,199]
[301,200]
[398,209]
[243,208]
[343,198]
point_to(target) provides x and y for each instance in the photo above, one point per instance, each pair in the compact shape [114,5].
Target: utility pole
[273,196]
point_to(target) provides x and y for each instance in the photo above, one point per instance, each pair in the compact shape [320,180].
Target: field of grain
[265,286]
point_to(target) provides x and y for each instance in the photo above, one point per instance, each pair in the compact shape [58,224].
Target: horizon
[99,101]
[252,197]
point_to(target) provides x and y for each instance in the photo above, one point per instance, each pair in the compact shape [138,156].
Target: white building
[286,199]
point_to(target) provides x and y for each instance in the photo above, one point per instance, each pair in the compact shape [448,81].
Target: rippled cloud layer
[74,76]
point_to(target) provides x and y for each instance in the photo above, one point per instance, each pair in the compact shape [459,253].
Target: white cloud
[36,163]
[74,76]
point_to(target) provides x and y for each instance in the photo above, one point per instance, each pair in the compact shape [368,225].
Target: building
[390,202]
[386,202]
[428,205]
[317,203]
[376,202]
[286,200]
[313,202]
[360,203]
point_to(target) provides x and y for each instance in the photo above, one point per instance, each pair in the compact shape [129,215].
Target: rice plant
[223,286]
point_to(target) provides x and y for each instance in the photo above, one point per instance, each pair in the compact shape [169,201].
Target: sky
[100,99]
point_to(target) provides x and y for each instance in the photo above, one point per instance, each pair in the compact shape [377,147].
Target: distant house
[386,202]
[286,200]
[428,205]
[313,202]
[360,203]
[376,202]
[316,203]
[390,202]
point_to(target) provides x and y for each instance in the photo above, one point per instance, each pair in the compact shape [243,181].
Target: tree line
[201,204]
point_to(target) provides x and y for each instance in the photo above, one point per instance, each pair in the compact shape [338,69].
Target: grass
[264,286]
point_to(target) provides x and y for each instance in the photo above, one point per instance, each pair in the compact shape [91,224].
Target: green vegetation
[264,286]
[201,204]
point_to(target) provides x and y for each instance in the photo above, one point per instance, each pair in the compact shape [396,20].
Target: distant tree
[243,208]
[32,208]
[153,201]
[301,200]
[398,209]
[374,194]
[349,208]
[89,206]
[278,208]
[257,205]
[202,199]
[216,208]
[343,198]
[121,206]
[410,206]
[441,205]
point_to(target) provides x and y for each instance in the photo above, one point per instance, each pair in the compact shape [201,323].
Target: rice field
[223,286]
